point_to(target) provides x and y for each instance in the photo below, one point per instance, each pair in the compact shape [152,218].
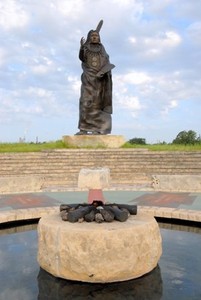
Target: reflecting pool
[177,276]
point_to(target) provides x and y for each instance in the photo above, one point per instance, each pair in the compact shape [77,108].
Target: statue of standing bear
[95,106]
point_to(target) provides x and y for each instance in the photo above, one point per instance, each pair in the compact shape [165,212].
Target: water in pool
[177,276]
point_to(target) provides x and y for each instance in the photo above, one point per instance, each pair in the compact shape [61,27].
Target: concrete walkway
[186,206]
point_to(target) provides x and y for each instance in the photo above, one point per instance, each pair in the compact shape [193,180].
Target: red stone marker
[95,195]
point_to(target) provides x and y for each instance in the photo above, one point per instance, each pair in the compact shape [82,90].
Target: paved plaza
[189,201]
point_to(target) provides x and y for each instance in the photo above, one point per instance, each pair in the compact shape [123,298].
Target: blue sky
[155,46]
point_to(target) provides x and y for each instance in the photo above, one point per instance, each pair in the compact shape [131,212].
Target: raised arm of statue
[81,53]
[82,41]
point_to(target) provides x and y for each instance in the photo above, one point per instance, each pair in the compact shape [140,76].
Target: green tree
[137,141]
[186,137]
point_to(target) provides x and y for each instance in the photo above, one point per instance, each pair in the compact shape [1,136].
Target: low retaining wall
[177,183]
[21,184]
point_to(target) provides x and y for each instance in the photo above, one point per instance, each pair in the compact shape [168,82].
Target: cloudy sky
[155,46]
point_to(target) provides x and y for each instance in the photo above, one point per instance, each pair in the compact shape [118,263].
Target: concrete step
[153,169]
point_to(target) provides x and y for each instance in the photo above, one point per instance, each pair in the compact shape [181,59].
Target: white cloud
[158,44]
[130,102]
[158,6]
[132,39]
[76,84]
[43,66]
[2,56]
[12,15]
[40,69]
[136,5]
[135,78]
[70,8]
[166,109]
[173,104]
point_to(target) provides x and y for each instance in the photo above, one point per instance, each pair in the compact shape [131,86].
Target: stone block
[97,178]
[21,184]
[94,141]
[180,183]
[92,252]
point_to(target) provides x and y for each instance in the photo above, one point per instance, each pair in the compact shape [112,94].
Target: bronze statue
[95,106]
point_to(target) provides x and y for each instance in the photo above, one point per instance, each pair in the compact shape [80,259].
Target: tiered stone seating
[128,167]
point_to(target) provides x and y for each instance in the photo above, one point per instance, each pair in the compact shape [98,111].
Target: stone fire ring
[93,252]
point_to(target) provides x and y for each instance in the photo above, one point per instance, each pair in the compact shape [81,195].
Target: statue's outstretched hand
[82,41]
[99,74]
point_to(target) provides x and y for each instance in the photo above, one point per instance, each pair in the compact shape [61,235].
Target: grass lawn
[166,147]
[35,147]
[30,147]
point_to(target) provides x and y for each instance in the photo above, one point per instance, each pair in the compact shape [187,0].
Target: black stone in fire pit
[97,211]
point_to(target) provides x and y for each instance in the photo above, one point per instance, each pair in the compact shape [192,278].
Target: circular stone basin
[93,252]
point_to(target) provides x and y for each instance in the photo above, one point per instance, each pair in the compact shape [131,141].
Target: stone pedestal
[95,180]
[94,141]
[105,252]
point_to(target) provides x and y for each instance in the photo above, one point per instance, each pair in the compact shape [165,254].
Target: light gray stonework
[97,178]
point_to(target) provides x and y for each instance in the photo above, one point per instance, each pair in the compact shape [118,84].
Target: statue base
[94,141]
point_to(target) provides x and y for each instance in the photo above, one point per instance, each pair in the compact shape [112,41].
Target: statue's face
[94,38]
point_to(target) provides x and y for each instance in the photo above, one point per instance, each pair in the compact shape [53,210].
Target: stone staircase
[59,169]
